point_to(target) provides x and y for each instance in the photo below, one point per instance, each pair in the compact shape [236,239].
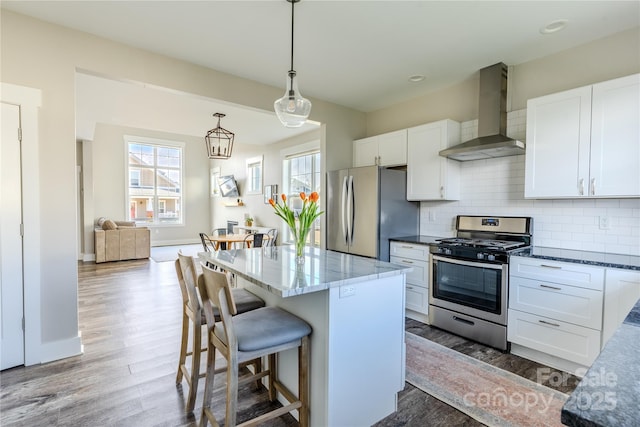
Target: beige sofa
[121,240]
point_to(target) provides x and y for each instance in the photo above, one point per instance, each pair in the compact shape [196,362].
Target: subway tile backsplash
[496,187]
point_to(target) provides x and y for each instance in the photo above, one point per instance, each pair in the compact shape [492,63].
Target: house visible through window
[154,187]
[302,174]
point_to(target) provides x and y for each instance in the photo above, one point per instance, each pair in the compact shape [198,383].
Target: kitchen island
[355,306]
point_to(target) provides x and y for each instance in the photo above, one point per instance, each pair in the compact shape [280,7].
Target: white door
[11,285]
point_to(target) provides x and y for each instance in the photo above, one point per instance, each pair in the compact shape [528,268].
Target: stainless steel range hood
[492,121]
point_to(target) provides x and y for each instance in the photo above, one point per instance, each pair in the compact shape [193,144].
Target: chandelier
[292,109]
[219,141]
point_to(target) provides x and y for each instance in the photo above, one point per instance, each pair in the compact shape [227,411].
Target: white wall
[496,187]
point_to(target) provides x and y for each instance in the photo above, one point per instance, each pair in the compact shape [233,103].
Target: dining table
[231,239]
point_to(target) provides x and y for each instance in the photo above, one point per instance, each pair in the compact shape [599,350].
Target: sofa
[121,240]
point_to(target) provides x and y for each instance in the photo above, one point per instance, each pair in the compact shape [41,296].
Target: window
[154,188]
[302,174]
[254,175]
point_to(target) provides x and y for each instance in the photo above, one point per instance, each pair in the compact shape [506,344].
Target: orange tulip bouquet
[305,218]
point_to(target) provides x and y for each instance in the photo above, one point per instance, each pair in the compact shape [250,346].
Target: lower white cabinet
[415,256]
[555,310]
[560,339]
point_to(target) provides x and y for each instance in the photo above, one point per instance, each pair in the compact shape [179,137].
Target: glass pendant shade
[292,109]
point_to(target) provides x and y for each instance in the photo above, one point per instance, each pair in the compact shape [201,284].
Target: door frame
[29,100]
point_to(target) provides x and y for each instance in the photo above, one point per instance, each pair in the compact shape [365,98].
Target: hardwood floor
[129,316]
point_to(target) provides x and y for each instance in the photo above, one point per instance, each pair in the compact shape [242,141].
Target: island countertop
[274,268]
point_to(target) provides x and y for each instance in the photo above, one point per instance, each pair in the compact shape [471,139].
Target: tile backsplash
[496,187]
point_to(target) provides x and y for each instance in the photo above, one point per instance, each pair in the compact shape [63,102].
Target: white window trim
[250,164]
[132,139]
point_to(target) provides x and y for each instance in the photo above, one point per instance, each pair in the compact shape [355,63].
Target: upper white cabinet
[389,149]
[430,176]
[585,142]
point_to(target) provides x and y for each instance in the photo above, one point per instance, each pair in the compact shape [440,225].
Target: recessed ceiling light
[416,78]
[554,26]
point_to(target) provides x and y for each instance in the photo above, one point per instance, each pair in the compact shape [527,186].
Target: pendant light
[292,109]
[219,141]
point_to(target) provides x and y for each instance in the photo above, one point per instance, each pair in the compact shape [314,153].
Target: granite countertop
[421,240]
[629,262]
[275,269]
[608,393]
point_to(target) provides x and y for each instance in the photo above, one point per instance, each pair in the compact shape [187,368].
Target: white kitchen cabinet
[555,311]
[429,175]
[585,142]
[417,281]
[389,149]
[622,291]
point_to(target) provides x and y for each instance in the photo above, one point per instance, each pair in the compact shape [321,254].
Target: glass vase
[300,241]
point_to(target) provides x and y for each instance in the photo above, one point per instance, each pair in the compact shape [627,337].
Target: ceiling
[358,53]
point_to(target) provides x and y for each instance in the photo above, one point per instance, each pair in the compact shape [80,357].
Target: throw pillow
[109,225]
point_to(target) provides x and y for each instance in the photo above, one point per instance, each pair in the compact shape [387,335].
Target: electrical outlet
[605,223]
[432,216]
[347,291]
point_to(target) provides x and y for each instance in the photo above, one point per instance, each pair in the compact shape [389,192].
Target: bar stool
[193,314]
[239,337]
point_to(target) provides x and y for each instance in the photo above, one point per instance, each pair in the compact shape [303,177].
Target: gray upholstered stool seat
[265,327]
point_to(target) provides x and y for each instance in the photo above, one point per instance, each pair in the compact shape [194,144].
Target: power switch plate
[347,291]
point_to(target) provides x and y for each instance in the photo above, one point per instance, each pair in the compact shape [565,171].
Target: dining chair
[255,240]
[193,318]
[273,235]
[263,332]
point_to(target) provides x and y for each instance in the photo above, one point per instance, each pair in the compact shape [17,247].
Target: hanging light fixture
[292,109]
[219,141]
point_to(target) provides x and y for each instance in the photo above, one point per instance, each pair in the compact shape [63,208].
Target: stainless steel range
[469,277]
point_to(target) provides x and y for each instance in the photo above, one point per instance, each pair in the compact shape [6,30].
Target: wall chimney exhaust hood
[492,121]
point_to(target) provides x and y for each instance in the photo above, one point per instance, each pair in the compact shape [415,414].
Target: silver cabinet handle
[407,247]
[593,186]
[409,287]
[442,192]
[407,262]
[581,186]
[549,323]
[550,287]
[551,266]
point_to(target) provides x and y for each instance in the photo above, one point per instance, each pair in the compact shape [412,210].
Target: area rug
[170,253]
[488,394]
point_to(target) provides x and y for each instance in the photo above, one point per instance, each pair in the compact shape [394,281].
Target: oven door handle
[469,263]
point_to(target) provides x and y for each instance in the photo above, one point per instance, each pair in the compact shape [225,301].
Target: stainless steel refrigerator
[365,207]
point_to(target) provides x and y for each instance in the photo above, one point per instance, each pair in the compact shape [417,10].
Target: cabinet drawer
[420,273]
[410,250]
[417,298]
[564,340]
[567,273]
[580,306]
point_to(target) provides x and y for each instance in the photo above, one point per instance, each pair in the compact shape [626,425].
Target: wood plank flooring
[129,316]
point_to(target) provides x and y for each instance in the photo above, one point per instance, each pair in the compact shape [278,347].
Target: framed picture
[215,187]
[270,192]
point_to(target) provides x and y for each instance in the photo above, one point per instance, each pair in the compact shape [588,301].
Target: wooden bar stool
[193,315]
[240,337]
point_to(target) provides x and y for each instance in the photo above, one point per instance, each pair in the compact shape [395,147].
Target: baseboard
[61,349]
[88,257]
[175,242]
[549,360]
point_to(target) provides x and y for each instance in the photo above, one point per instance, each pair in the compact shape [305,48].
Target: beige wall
[608,58]
[45,56]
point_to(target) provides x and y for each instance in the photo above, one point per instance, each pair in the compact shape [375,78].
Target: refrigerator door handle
[351,210]
[343,205]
